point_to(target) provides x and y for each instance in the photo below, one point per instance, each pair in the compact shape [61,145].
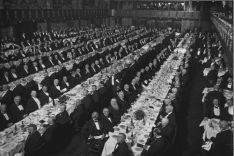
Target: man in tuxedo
[79,76]
[17,109]
[107,121]
[55,90]
[6,78]
[77,116]
[62,118]
[94,127]
[121,101]
[167,129]
[121,148]
[65,84]
[63,121]
[95,132]
[95,97]
[47,80]
[49,62]
[127,94]
[34,68]
[88,103]
[50,137]
[72,79]
[33,103]
[44,96]
[33,142]
[213,110]
[223,143]
[87,72]
[5,118]
[170,115]
[155,145]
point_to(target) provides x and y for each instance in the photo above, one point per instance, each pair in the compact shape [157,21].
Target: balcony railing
[14,16]
[225,30]
[195,15]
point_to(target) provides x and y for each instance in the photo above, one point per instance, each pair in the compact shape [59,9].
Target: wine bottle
[132,139]
[127,130]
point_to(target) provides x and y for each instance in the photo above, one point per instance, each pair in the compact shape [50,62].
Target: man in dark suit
[47,80]
[87,72]
[94,131]
[169,114]
[127,94]
[95,97]
[44,96]
[122,103]
[64,83]
[214,109]
[24,71]
[34,68]
[94,127]
[63,121]
[79,76]
[223,143]
[107,121]
[7,95]
[51,137]
[17,110]
[5,118]
[88,104]
[33,103]
[6,78]
[77,116]
[49,62]
[33,142]
[155,145]
[55,90]
[72,79]
[121,148]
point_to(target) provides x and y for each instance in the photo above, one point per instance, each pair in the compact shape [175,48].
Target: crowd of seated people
[105,106]
[176,6]
[26,63]
[33,96]
[217,102]
[162,137]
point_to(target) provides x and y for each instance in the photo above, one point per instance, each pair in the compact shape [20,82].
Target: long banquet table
[13,138]
[38,77]
[150,102]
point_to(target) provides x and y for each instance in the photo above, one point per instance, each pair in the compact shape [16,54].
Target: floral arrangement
[139,114]
[175,58]
[63,99]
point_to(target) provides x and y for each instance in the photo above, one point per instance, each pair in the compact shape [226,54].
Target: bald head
[223,125]
[121,138]
[169,109]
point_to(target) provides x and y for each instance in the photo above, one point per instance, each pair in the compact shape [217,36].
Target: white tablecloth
[150,102]
[15,136]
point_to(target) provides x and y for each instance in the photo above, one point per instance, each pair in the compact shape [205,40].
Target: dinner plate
[2,142]
[146,136]
[116,129]
[122,126]
[138,148]
[114,136]
[20,139]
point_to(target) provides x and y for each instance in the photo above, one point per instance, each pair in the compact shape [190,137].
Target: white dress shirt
[20,107]
[14,75]
[216,111]
[6,116]
[97,125]
[38,102]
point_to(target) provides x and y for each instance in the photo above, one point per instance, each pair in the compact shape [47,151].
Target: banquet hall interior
[116,78]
